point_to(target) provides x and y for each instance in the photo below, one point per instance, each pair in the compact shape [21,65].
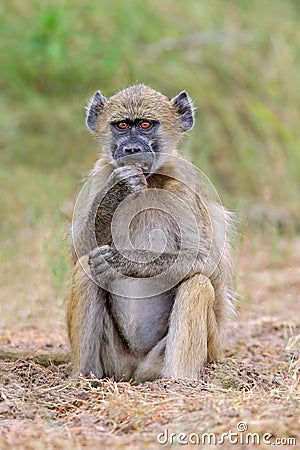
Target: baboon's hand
[131,177]
[99,262]
[107,264]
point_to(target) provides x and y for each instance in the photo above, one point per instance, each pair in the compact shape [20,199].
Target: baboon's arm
[106,263]
[94,228]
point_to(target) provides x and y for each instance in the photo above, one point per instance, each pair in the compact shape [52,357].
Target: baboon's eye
[145,124]
[122,125]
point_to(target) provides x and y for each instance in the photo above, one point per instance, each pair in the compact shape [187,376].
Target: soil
[254,388]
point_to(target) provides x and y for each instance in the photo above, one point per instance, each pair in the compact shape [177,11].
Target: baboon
[152,282]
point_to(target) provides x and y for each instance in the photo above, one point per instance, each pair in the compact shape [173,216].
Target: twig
[42,357]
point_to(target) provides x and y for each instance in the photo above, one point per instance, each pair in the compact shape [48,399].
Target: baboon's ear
[93,109]
[185,108]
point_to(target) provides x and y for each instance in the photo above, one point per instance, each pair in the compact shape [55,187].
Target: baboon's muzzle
[134,151]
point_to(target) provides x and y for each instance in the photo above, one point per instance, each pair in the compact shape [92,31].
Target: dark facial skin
[135,142]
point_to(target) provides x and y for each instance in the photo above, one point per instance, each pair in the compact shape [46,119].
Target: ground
[254,388]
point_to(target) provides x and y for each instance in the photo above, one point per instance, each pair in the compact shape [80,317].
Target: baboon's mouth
[144,160]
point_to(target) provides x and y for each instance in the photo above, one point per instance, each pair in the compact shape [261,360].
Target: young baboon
[152,281]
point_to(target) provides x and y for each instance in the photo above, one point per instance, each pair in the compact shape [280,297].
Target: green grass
[240,62]
[56,258]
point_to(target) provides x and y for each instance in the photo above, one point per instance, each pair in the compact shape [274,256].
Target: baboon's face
[135,141]
[139,125]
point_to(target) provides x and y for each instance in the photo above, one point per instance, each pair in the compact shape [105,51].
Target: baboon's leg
[116,360]
[214,345]
[151,366]
[96,344]
[193,336]
[85,313]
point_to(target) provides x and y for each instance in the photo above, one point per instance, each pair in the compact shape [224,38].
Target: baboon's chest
[149,229]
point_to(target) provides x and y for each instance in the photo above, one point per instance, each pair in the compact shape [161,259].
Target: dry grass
[257,381]
[44,404]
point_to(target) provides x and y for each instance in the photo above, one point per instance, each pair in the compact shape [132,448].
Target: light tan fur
[108,332]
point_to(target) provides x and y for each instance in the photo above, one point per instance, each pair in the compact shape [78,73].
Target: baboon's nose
[130,150]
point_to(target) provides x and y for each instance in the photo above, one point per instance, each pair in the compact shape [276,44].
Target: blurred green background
[239,61]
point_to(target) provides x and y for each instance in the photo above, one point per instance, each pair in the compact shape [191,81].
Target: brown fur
[109,333]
